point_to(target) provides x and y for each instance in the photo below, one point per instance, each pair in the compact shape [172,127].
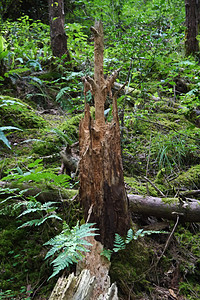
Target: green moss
[17,113]
[22,256]
[71,127]
[140,187]
[128,269]
[160,177]
[189,179]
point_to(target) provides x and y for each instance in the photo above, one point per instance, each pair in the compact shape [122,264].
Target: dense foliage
[41,104]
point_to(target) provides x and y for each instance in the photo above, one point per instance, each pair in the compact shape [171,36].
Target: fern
[129,236]
[38,222]
[34,206]
[38,174]
[107,253]
[120,243]
[70,244]
[62,93]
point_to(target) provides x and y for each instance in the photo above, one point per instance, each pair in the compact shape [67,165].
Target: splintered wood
[102,191]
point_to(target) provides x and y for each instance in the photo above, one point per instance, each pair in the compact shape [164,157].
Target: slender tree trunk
[57,32]
[192,19]
[102,190]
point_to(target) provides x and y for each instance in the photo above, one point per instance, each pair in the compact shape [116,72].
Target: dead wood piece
[154,186]
[99,268]
[70,161]
[190,193]
[102,192]
[92,281]
[80,287]
[166,208]
[74,288]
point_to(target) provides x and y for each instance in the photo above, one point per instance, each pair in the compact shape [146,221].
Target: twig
[155,187]
[89,213]
[188,193]
[147,168]
[169,238]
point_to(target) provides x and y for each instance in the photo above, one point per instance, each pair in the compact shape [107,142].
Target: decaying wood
[80,288]
[99,268]
[166,208]
[70,160]
[102,188]
[92,281]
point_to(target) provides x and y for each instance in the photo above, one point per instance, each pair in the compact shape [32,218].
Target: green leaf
[9,128]
[4,139]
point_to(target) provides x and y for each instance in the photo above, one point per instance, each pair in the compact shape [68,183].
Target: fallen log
[167,208]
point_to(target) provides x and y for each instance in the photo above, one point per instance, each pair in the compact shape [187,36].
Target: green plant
[69,245]
[45,211]
[3,138]
[63,136]
[120,243]
[37,174]
[3,51]
[7,102]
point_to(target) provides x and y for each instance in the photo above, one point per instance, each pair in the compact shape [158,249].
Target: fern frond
[60,263]
[107,253]
[62,93]
[53,216]
[71,244]
[129,236]
[29,223]
[119,243]
[28,211]
[138,234]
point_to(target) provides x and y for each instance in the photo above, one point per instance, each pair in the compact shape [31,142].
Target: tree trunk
[102,191]
[166,208]
[192,18]
[57,31]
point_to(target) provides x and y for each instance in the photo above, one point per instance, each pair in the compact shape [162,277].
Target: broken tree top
[102,191]
[99,86]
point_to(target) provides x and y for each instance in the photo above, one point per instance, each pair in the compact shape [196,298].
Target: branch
[154,186]
[110,81]
[94,31]
[92,84]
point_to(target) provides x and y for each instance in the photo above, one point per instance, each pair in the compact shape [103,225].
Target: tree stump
[102,191]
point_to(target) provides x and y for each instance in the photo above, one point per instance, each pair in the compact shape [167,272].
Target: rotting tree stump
[102,191]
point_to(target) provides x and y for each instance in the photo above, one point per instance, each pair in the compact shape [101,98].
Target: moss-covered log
[168,208]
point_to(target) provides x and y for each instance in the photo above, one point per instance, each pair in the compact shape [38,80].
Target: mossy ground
[159,143]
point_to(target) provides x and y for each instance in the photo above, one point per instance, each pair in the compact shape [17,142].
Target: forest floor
[159,141]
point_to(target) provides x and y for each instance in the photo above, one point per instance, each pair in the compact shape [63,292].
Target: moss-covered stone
[71,127]
[48,146]
[128,269]
[189,179]
[139,187]
[15,112]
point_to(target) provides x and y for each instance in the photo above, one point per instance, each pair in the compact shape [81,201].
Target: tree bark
[192,18]
[102,191]
[57,31]
[166,208]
